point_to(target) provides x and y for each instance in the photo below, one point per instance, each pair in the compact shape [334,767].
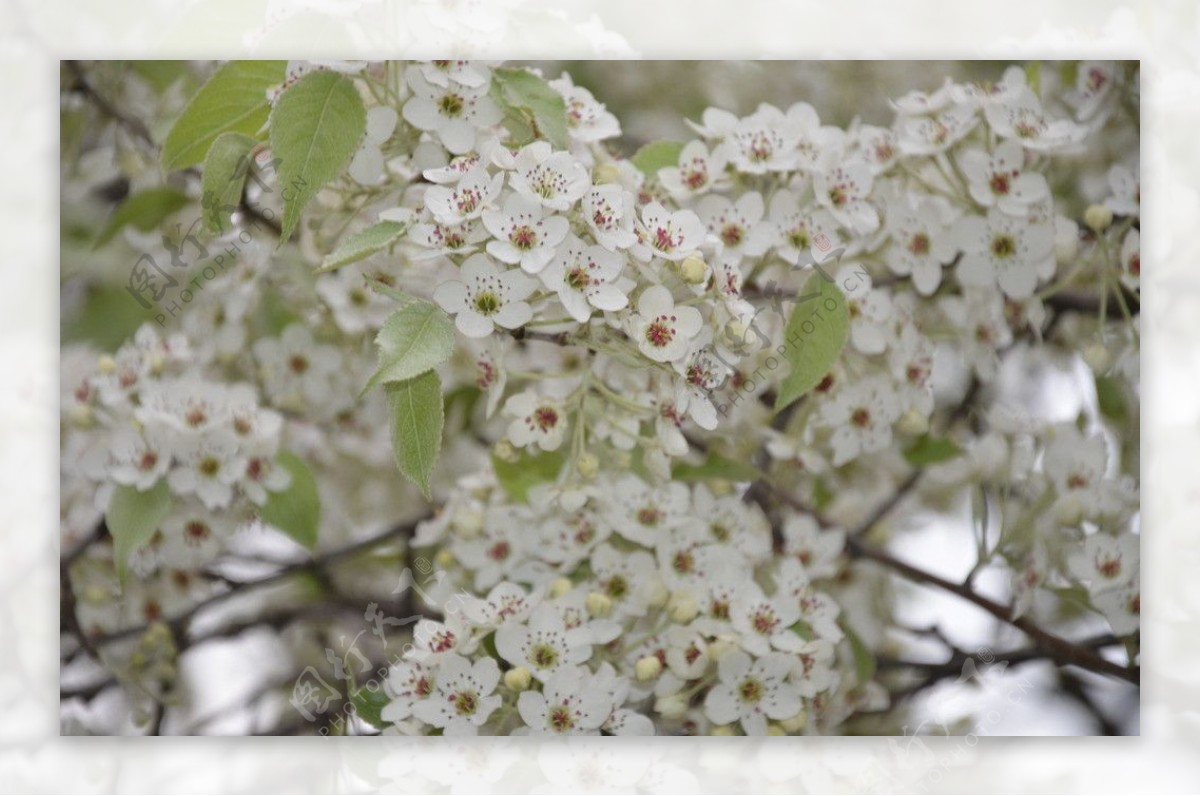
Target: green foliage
[928,450]
[317,125]
[225,170]
[518,477]
[415,406]
[657,155]
[531,107]
[716,466]
[820,321]
[133,518]
[363,244]
[296,510]
[161,75]
[416,338]
[1110,399]
[864,659]
[145,210]
[369,705]
[107,318]
[233,100]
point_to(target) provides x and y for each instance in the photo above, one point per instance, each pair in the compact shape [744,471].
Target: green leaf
[657,155]
[716,466]
[1033,76]
[225,170]
[145,210]
[1110,398]
[161,75]
[416,338]
[107,317]
[415,406]
[928,450]
[814,336]
[518,477]
[233,100]
[133,517]
[531,105]
[296,510]
[864,659]
[363,244]
[384,289]
[369,705]
[316,127]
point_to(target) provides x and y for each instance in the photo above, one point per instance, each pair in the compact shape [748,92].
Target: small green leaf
[416,409]
[161,75]
[233,100]
[716,466]
[1110,398]
[363,244]
[384,289]
[864,659]
[317,125]
[416,338]
[133,518]
[657,155]
[518,477]
[145,210]
[225,170]
[532,105]
[928,450]
[369,705]
[815,335]
[803,630]
[1033,76]
[296,510]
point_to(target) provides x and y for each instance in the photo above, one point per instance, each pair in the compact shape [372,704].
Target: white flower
[1093,85]
[764,622]
[980,316]
[586,277]
[472,74]
[460,239]
[524,235]
[192,535]
[815,548]
[587,120]
[929,135]
[1001,249]
[699,171]
[861,416]
[812,672]
[555,180]
[843,189]
[799,229]
[1131,260]
[537,420]
[1126,185]
[367,167]
[1000,179]
[544,646]
[467,199]
[432,638]
[750,692]
[661,329]
[356,308]
[1122,607]
[463,700]
[1022,119]
[701,374]
[624,577]
[922,241]
[608,211]
[739,226]
[763,141]
[567,705]
[671,236]
[1106,561]
[486,297]
[409,683]
[454,112]
[496,552]
[297,372]
[139,460]
[875,145]
[208,468]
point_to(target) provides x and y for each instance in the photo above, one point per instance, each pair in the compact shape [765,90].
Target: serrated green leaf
[518,477]
[928,450]
[384,289]
[815,335]
[532,105]
[296,510]
[363,244]
[414,339]
[145,210]
[716,466]
[369,705]
[233,100]
[415,407]
[317,125]
[1110,398]
[225,170]
[132,519]
[657,155]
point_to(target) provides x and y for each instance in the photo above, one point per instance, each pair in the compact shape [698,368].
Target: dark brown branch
[130,124]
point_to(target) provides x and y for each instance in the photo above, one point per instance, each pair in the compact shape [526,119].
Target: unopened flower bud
[518,679]
[647,668]
[1068,510]
[723,730]
[913,423]
[80,415]
[505,452]
[682,607]
[468,522]
[693,270]
[775,729]
[1066,240]
[444,559]
[656,593]
[672,706]
[1098,217]
[598,605]
[588,465]
[606,173]
[1097,357]
[560,586]
[719,647]
[106,364]
[796,723]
